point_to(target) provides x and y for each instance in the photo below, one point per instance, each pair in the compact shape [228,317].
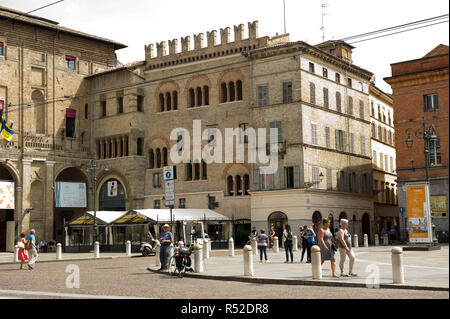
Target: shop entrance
[278,220]
[7,206]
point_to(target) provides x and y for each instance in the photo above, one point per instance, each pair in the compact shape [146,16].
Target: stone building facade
[383,161]
[420,95]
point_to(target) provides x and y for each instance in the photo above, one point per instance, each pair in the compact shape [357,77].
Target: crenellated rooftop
[211,50]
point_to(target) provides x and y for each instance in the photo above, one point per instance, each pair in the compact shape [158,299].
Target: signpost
[169,189]
[419,214]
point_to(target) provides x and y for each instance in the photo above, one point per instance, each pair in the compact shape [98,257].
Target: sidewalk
[423,270]
[8,258]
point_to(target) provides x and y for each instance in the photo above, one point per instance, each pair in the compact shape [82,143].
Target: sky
[136,23]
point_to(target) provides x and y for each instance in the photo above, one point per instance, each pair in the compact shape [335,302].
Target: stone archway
[278,220]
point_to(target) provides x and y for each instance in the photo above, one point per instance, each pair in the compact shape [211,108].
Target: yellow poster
[417,217]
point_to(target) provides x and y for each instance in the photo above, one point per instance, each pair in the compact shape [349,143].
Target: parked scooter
[149,248]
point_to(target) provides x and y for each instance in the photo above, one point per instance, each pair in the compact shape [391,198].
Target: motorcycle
[149,248]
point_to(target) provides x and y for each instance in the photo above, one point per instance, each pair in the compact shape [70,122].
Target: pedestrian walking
[304,241]
[22,255]
[287,239]
[310,236]
[326,246]
[345,248]
[392,233]
[272,236]
[31,247]
[263,242]
[165,238]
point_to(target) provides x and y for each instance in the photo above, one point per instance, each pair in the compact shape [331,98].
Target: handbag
[20,244]
[333,246]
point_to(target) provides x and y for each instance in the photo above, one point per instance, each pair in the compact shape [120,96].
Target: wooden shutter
[344,141]
[325,98]
[296,176]
[256,180]
[312,93]
[271,181]
[281,183]
[435,101]
[361,109]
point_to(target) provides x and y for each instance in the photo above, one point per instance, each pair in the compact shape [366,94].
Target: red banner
[71,113]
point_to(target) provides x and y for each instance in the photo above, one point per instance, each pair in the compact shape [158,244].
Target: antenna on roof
[323,5]
[284,15]
[48,5]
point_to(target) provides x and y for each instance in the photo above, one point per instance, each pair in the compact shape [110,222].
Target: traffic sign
[169,188]
[168,173]
[170,202]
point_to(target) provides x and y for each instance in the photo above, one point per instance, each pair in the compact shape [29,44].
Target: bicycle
[180,261]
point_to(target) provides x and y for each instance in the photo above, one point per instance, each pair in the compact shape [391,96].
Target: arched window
[331,218]
[238,185]
[139,143]
[230,186]
[191,98]
[204,170]
[169,101]
[232,92]
[199,96]
[151,159]
[164,156]
[197,171]
[239,90]
[206,94]
[374,133]
[188,172]
[175,100]
[246,185]
[158,158]
[379,133]
[342,215]
[161,102]
[224,93]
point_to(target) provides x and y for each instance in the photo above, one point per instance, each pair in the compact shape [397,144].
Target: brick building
[420,94]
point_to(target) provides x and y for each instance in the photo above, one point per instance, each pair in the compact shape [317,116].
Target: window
[287,92]
[340,140]
[140,103]
[361,109]
[120,104]
[204,170]
[386,163]
[352,143]
[70,122]
[199,97]
[380,133]
[374,130]
[391,161]
[314,134]
[182,203]
[315,177]
[86,111]
[164,156]
[156,204]
[374,157]
[289,173]
[188,172]
[232,92]
[372,110]
[329,180]
[389,138]
[385,135]
[435,152]
[338,78]
[238,185]
[325,72]
[230,185]
[168,101]
[350,105]
[327,137]
[151,159]
[381,161]
[224,92]
[326,102]
[279,126]
[266,181]
[70,62]
[161,102]
[158,158]
[246,185]
[206,94]
[192,98]
[311,67]
[103,106]
[157,180]
[175,100]
[363,145]
[338,102]
[312,93]
[262,95]
[139,145]
[239,90]
[2,45]
[243,138]
[349,82]
[196,171]
[431,102]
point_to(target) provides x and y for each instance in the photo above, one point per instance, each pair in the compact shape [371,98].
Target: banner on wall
[112,188]
[70,194]
[6,195]
[419,219]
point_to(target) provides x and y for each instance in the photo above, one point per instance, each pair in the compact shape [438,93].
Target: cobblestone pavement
[128,277]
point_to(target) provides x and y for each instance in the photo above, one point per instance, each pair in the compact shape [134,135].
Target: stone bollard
[96,249]
[157,254]
[207,248]
[315,262]
[248,261]
[128,248]
[16,254]
[171,250]
[398,274]
[231,247]
[254,246]
[58,251]
[377,240]
[366,240]
[386,239]
[355,241]
[276,248]
[294,243]
[198,258]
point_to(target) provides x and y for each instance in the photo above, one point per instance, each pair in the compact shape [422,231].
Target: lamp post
[311,184]
[93,169]
[429,139]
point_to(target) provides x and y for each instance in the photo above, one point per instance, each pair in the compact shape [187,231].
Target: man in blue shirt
[165,238]
[32,252]
[309,235]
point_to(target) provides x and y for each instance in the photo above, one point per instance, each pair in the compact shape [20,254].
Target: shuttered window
[314,134]
[326,102]
[262,95]
[361,109]
[350,105]
[287,92]
[338,102]
[312,93]
[327,137]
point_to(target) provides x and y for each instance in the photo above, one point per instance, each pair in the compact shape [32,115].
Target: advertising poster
[70,194]
[112,188]
[439,205]
[6,195]
[418,214]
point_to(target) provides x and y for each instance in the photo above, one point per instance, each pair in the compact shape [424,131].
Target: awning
[132,217]
[102,218]
[183,214]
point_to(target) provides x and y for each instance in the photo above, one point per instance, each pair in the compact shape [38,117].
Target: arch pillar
[24,219]
[48,197]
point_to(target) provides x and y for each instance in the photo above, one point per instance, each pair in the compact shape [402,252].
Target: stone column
[255,246]
[294,243]
[198,258]
[377,240]
[128,248]
[398,275]
[231,247]
[26,182]
[315,262]
[49,188]
[96,249]
[355,241]
[248,261]
[366,240]
[276,248]
[58,251]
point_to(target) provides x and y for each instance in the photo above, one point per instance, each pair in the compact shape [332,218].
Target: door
[366,225]
[2,236]
[278,220]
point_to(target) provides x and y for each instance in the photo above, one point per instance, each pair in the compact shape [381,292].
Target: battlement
[211,50]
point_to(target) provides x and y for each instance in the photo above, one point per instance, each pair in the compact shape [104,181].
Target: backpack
[28,245]
[289,236]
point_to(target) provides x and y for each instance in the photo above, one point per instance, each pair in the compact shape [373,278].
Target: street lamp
[311,184]
[93,169]
[429,138]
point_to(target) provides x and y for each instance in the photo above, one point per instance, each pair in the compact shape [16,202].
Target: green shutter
[281,184]
[296,176]
[256,180]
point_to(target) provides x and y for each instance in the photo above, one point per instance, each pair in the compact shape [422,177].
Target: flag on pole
[5,131]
